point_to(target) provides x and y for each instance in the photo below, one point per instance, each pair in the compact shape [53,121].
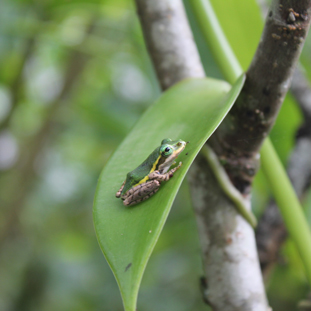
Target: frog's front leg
[118,194]
[141,192]
[156,175]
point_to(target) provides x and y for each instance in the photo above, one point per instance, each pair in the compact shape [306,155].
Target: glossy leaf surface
[191,111]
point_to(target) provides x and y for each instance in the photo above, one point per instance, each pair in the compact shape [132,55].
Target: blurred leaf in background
[75,76]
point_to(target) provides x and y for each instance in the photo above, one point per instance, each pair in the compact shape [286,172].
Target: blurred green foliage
[74,78]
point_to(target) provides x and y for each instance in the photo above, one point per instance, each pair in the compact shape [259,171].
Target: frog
[144,181]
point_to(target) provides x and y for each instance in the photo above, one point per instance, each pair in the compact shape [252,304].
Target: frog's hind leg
[156,175]
[141,192]
[118,194]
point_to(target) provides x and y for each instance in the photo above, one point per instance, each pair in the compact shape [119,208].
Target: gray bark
[228,244]
[169,40]
[239,138]
[230,260]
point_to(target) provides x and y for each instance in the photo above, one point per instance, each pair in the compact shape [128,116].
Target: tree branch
[239,138]
[169,41]
[228,245]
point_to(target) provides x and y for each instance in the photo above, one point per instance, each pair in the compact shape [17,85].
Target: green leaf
[191,111]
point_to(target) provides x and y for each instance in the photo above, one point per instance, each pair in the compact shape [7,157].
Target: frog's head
[169,151]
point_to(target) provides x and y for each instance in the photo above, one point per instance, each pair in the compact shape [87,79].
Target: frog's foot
[141,192]
[118,194]
[156,175]
[177,167]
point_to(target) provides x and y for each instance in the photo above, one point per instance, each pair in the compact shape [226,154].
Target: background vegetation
[74,78]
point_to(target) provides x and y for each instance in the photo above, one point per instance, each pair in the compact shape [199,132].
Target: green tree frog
[145,180]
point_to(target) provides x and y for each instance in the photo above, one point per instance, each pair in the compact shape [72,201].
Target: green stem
[282,189]
[216,40]
[227,186]
[288,202]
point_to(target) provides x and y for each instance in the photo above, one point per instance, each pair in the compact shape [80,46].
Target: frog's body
[145,180]
[133,178]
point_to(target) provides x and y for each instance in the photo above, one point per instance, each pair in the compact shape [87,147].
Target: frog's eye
[166,150]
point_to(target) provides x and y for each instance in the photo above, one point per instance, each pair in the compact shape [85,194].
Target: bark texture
[237,143]
[232,273]
[240,136]
[231,266]
[169,41]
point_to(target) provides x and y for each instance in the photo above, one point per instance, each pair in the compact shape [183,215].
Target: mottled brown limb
[173,170]
[141,192]
[164,177]
[145,190]
[160,177]
[144,198]
[118,194]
